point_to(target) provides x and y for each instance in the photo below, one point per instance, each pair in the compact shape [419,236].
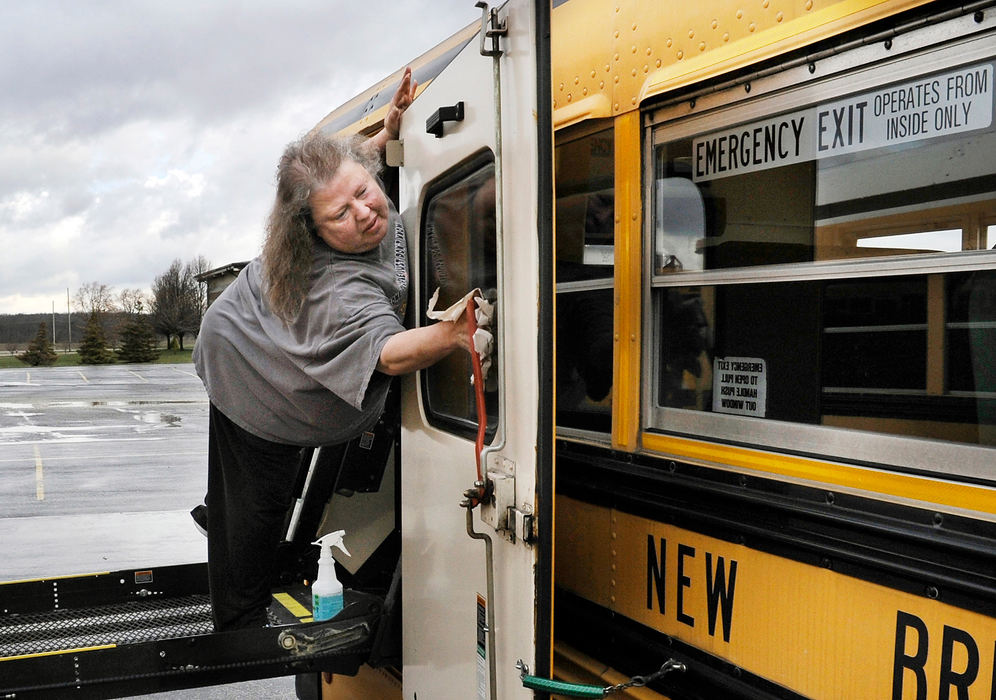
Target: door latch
[491,28]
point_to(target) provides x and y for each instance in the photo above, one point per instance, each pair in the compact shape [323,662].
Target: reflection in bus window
[875,335]
[679,225]
[971,343]
[863,348]
[851,353]
[585,236]
[584,208]
[459,254]
[685,348]
[948,241]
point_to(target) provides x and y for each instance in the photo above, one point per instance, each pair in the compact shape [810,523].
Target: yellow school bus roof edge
[610,57]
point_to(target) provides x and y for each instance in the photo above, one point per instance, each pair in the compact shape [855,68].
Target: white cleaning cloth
[484,314]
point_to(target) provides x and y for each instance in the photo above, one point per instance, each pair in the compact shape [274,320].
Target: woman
[299,350]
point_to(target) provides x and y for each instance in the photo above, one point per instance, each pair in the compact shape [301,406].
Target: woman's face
[350,212]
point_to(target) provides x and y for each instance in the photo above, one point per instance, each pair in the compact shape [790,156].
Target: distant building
[219,278]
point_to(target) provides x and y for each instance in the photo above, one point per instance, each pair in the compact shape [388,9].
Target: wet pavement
[99,468]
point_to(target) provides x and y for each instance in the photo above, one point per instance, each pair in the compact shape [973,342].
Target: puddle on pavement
[156,417]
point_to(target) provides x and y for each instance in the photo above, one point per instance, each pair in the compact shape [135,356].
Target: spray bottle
[326,591]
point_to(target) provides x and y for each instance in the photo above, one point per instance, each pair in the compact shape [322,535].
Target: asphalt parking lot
[99,468]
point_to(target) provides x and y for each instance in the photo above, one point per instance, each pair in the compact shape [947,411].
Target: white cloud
[183,183]
[136,132]
[19,206]
[65,232]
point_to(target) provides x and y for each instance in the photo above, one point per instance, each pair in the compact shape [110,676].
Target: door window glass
[458,255]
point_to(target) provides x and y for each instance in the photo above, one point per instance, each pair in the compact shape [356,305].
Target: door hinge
[394,154]
[501,511]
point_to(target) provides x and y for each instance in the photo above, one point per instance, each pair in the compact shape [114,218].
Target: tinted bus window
[781,287]
[585,248]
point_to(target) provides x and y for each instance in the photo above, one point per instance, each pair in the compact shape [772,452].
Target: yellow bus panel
[609,57]
[816,632]
[951,496]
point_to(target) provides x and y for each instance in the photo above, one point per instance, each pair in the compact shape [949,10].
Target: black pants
[250,489]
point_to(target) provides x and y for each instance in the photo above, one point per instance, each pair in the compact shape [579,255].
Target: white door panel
[444,570]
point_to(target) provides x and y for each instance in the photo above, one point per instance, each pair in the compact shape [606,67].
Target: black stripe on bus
[942,556]
[637,650]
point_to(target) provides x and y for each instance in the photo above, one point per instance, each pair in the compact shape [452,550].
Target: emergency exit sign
[740,386]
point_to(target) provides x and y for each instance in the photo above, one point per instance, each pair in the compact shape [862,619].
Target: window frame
[921,52]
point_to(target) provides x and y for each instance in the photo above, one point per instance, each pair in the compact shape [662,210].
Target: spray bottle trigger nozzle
[333,539]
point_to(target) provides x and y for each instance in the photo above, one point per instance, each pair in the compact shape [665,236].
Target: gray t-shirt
[313,381]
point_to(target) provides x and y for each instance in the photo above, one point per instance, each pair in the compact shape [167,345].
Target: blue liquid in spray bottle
[326,592]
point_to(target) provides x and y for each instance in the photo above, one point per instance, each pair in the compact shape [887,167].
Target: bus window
[585,238]
[458,254]
[828,263]
[971,344]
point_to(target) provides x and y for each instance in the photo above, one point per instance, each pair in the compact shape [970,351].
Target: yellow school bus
[744,416]
[738,439]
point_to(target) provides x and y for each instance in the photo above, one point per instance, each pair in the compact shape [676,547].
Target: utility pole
[69,321]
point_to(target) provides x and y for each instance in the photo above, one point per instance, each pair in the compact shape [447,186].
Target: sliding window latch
[434,124]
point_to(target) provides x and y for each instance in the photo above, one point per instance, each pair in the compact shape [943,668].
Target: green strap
[573,690]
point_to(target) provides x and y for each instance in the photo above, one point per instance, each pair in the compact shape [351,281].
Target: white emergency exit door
[468,196]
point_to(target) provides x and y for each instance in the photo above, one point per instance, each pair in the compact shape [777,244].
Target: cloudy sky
[135,132]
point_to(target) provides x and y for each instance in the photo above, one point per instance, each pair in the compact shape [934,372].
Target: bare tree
[95,298]
[132,301]
[194,268]
[97,301]
[178,301]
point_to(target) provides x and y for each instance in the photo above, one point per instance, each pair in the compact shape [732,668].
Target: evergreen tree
[138,340]
[93,347]
[40,352]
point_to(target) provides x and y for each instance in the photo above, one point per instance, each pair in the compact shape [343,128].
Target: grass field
[71,359]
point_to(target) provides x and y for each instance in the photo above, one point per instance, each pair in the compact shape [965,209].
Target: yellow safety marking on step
[57,653]
[295,608]
[55,578]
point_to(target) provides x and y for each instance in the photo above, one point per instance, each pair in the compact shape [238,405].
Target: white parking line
[138,375]
[181,371]
[39,476]
[84,376]
[74,440]
[90,457]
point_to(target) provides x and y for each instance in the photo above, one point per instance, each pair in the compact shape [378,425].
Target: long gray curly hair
[307,165]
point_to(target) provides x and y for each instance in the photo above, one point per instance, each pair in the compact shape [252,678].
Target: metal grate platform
[121,623]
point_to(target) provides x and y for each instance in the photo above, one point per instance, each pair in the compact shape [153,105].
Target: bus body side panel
[805,504]
[635,51]
[781,582]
